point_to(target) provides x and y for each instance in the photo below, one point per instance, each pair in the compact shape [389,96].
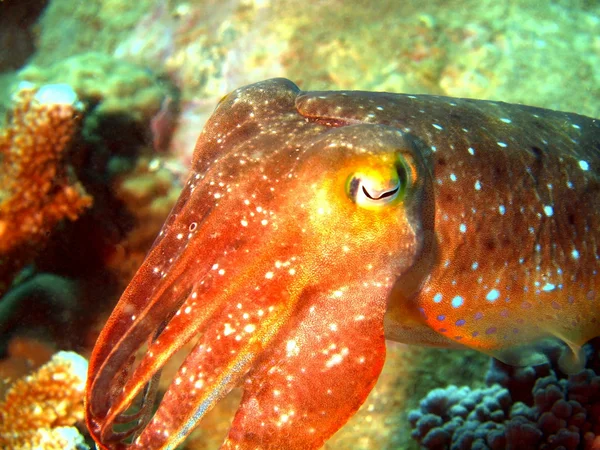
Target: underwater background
[86,186]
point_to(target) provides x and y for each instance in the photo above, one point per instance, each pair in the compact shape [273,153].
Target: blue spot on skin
[478,315]
[490,330]
[457,301]
[475,333]
[437,298]
[441,317]
[460,322]
[442,330]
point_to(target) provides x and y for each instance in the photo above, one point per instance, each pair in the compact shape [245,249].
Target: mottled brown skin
[313,224]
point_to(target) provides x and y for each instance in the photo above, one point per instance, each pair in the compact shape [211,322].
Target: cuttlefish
[314,225]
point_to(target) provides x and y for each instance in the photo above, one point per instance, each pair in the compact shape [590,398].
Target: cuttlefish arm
[272,258]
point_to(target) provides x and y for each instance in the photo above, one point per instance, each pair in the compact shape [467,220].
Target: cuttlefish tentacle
[299,394]
[156,291]
[150,302]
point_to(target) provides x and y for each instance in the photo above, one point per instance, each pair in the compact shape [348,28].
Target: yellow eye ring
[375,187]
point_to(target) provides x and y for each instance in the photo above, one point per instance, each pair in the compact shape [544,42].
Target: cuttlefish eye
[377,186]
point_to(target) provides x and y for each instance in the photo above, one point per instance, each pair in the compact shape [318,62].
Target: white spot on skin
[575,254]
[477,185]
[471,150]
[269,275]
[227,330]
[244,223]
[506,120]
[463,228]
[337,358]
[437,127]
[502,144]
[548,211]
[501,209]
[584,165]
[457,301]
[548,287]
[453,177]
[493,295]
[437,297]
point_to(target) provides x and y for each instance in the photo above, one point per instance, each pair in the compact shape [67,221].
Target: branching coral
[40,410]
[527,407]
[37,186]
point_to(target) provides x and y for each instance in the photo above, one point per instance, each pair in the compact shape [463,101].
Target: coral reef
[113,86]
[527,407]
[37,185]
[24,355]
[40,410]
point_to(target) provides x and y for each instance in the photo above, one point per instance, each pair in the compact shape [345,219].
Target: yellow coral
[39,411]
[37,188]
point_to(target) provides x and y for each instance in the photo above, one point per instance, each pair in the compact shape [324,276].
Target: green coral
[117,86]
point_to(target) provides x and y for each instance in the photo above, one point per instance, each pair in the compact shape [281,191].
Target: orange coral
[23,355]
[39,411]
[37,188]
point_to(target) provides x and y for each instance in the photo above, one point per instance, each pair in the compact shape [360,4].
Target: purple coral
[526,407]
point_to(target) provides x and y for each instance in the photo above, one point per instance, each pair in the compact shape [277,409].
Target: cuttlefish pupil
[373,188]
[381,195]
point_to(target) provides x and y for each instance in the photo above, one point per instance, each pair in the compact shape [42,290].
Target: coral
[37,186]
[116,87]
[24,354]
[528,407]
[40,410]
